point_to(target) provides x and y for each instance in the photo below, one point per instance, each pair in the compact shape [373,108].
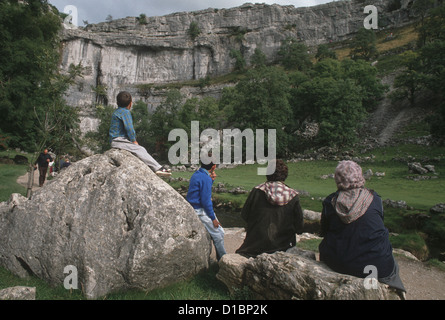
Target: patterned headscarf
[353,199]
[348,175]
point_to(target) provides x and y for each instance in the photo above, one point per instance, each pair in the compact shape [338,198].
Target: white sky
[95,11]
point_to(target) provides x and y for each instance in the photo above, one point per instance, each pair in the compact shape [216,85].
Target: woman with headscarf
[273,215]
[355,237]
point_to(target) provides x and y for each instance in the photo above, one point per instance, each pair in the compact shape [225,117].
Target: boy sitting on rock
[123,135]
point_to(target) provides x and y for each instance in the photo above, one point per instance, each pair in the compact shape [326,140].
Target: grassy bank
[8,177]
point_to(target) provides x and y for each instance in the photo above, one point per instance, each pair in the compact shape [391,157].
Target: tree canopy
[31,87]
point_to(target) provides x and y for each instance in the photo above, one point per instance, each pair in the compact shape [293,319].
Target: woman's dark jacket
[270,227]
[349,248]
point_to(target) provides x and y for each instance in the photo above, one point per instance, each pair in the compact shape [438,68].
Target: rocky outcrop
[18,293]
[111,218]
[127,53]
[295,275]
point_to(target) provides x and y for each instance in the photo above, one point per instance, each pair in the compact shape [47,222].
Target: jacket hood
[352,204]
[277,193]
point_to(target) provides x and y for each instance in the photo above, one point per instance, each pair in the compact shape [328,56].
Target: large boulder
[111,218]
[295,275]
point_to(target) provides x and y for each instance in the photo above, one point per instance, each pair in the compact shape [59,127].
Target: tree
[205,110]
[323,52]
[194,30]
[293,55]
[164,119]
[364,45]
[258,58]
[421,8]
[432,63]
[240,62]
[336,95]
[29,61]
[260,101]
[409,82]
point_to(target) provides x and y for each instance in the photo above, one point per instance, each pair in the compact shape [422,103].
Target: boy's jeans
[217,235]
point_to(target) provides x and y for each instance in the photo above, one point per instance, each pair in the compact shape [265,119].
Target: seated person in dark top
[354,233]
[273,215]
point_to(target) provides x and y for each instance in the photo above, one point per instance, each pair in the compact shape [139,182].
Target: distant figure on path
[43,161]
[273,215]
[355,237]
[123,135]
[65,164]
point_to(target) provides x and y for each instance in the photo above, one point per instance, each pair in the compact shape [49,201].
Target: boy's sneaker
[163,172]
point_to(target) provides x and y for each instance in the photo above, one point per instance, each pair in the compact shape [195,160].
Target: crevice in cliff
[100,89]
[25,266]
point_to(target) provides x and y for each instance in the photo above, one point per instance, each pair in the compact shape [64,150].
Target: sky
[95,11]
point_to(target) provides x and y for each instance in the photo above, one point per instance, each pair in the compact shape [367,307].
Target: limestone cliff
[124,53]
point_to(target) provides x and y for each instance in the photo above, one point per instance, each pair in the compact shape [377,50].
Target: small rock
[416,167]
[438,208]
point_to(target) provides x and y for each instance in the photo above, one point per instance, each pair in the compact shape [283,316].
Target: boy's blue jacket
[200,192]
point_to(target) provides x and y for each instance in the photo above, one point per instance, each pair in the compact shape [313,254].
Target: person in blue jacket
[352,224]
[200,197]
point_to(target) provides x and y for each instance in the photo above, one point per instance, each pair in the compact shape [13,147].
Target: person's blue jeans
[217,235]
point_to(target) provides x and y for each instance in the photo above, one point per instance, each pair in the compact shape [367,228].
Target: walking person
[43,162]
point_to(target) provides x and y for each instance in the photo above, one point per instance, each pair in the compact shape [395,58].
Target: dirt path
[23,180]
[421,281]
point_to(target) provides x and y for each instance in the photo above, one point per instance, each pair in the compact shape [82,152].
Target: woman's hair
[348,175]
[281,172]
[123,99]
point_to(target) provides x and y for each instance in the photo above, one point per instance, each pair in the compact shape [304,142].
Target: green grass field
[306,175]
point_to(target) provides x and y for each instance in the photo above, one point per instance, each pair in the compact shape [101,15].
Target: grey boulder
[295,275]
[112,221]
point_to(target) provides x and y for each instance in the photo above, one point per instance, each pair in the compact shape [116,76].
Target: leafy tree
[142,19]
[323,52]
[260,101]
[365,76]
[293,55]
[164,119]
[240,62]
[421,8]
[409,82]
[34,113]
[431,62]
[337,96]
[258,58]
[99,140]
[194,30]
[364,45]
[205,110]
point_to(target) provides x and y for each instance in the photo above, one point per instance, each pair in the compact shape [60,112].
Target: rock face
[125,53]
[111,218]
[294,275]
